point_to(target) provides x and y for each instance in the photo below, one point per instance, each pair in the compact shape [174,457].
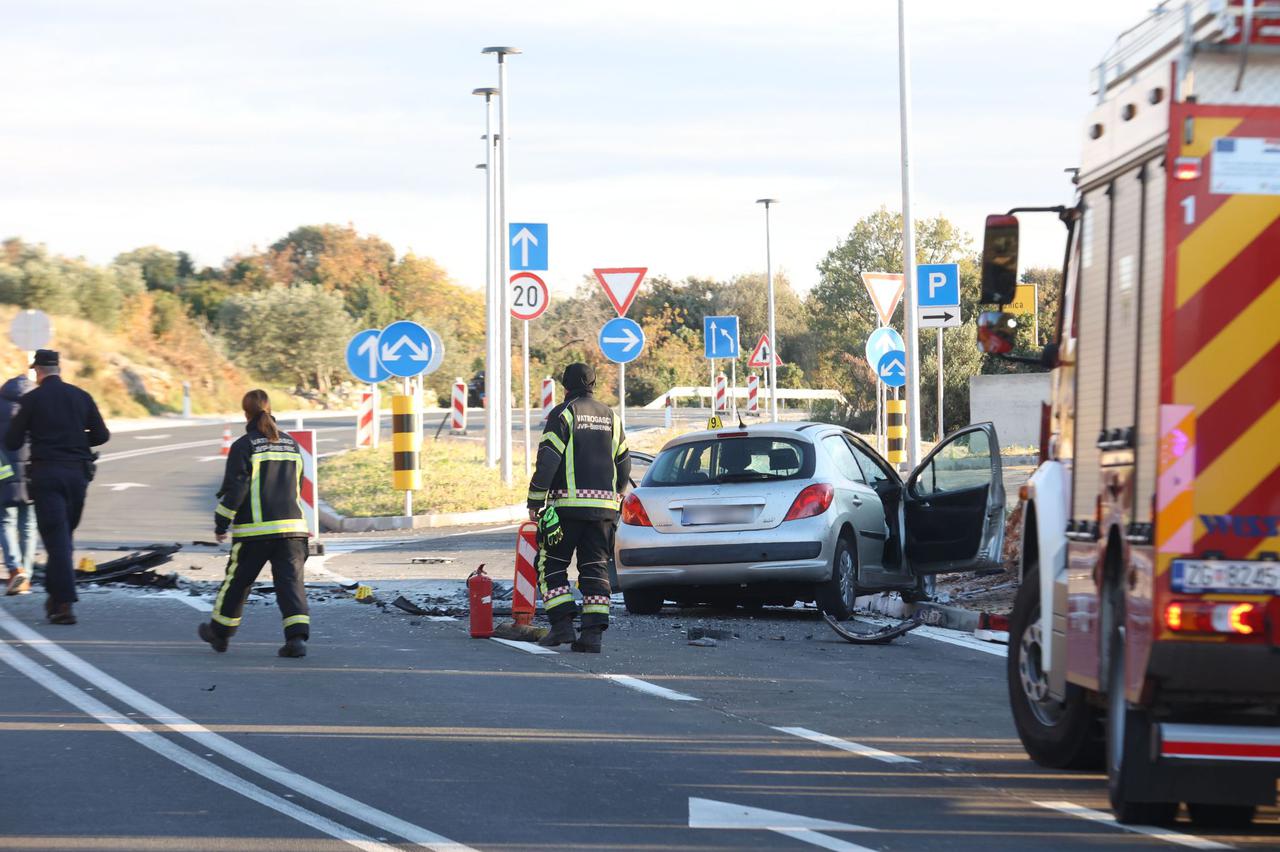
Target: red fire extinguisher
[480,598]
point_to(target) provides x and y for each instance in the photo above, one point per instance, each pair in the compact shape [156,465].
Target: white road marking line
[708,813]
[528,647]
[651,688]
[220,745]
[146,451]
[149,739]
[197,603]
[963,640]
[1165,834]
[150,437]
[846,745]
[210,458]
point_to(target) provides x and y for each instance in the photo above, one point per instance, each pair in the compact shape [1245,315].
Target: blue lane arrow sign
[883,340]
[362,357]
[621,340]
[405,348]
[892,368]
[527,245]
[720,337]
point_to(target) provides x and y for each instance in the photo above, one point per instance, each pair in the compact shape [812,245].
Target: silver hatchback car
[779,512]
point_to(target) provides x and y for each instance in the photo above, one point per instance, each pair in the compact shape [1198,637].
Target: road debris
[137,568]
[882,636]
[703,642]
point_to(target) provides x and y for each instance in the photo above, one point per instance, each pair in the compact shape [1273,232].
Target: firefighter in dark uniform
[63,423]
[582,468]
[260,503]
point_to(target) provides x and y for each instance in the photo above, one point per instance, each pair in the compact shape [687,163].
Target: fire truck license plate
[1202,576]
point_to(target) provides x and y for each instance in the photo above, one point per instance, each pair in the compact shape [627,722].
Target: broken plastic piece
[883,636]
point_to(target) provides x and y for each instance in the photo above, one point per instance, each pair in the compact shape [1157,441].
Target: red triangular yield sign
[620,285]
[885,289]
[760,355]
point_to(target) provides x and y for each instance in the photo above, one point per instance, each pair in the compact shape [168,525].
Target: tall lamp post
[910,320]
[490,287]
[773,329]
[504,273]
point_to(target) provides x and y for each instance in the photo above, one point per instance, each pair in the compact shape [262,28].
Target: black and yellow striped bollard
[406,442]
[896,429]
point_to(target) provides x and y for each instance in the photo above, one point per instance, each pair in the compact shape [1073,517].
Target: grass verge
[454,479]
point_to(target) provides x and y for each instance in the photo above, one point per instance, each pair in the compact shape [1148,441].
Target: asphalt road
[398,731]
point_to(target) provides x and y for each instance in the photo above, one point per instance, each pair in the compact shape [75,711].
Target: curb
[331,521]
[932,614]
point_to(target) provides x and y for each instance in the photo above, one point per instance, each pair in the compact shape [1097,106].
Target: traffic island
[457,489]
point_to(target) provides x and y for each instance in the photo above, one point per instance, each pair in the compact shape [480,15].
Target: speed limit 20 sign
[529,296]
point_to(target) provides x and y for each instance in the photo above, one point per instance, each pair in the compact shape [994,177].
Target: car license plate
[1230,577]
[703,515]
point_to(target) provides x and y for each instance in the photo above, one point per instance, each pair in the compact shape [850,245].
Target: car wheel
[1057,734]
[642,601]
[836,596]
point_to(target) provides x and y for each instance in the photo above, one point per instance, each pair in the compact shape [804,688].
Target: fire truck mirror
[1000,260]
[997,332]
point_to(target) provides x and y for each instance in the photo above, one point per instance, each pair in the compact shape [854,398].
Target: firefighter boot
[62,614]
[561,631]
[295,646]
[589,641]
[218,643]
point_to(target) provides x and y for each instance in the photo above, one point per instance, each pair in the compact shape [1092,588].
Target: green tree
[161,269]
[293,334]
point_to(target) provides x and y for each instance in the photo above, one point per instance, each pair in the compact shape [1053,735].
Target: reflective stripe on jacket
[583,463]
[261,491]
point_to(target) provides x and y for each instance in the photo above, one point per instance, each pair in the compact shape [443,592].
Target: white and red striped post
[458,412]
[722,392]
[524,595]
[548,397]
[309,486]
[367,419]
[753,394]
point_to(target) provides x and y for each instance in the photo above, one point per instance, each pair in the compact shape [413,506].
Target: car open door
[953,505]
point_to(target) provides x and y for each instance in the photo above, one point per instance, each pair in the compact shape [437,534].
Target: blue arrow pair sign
[404,349]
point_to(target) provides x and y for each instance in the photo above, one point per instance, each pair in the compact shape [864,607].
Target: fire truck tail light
[1237,619]
[1187,168]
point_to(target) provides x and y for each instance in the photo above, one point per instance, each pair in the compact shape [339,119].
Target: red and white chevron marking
[548,396]
[366,431]
[525,596]
[753,394]
[458,412]
[722,393]
[308,488]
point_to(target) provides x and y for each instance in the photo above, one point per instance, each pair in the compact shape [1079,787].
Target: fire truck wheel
[1221,816]
[1056,734]
[1128,730]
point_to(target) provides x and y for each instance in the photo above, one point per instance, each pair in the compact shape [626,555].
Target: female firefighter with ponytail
[260,503]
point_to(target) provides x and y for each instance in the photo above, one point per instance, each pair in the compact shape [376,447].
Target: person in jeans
[17,514]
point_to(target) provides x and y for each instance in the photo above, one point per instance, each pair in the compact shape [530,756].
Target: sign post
[938,303]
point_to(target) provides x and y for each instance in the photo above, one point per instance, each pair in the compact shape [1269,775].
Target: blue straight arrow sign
[527,243]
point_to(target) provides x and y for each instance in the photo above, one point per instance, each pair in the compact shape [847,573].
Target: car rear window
[747,459]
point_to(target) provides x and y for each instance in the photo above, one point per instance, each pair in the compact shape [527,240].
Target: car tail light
[812,501]
[1232,617]
[633,513]
[1186,168]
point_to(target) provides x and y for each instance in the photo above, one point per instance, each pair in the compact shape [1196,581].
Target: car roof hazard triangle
[620,285]
[885,289]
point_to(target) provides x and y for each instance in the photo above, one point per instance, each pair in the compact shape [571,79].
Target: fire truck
[1146,634]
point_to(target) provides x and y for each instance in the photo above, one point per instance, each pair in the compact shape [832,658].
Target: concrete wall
[1012,402]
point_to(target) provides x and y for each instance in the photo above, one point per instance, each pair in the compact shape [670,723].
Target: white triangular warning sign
[885,289]
[760,355]
[620,285]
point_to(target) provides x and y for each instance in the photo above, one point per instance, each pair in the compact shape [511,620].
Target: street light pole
[911,321]
[490,288]
[504,291]
[773,329]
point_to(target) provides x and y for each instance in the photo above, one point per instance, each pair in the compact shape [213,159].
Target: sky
[642,133]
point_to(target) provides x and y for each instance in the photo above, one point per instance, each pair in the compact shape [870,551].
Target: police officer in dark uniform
[63,423]
[583,465]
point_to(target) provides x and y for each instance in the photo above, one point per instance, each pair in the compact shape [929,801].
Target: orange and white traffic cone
[226,441]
